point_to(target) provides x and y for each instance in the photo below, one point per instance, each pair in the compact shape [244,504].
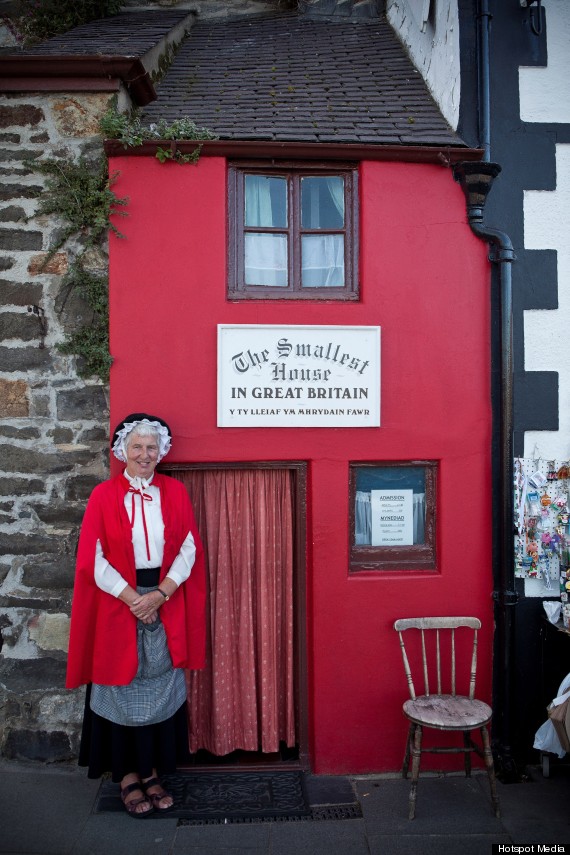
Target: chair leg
[406,763]
[488,756]
[416,755]
[467,754]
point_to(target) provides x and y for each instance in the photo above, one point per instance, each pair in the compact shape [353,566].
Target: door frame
[299,467]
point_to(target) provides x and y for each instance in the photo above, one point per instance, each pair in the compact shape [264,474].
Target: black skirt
[121,749]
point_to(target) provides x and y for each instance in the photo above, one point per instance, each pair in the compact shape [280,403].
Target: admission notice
[298,376]
[392,517]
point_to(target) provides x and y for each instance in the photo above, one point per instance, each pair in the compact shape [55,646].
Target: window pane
[266,259]
[390,506]
[265,201]
[322,260]
[322,202]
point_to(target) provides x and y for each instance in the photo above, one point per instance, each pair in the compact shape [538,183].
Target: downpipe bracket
[505,598]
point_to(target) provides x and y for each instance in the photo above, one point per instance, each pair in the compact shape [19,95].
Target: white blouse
[109,579]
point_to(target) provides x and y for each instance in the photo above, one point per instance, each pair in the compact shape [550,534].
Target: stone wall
[53,430]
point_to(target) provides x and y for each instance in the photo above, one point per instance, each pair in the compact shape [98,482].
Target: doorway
[248,706]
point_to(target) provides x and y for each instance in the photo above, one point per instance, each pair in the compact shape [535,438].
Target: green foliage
[179,129]
[129,130]
[41,19]
[164,154]
[91,342]
[125,127]
[81,194]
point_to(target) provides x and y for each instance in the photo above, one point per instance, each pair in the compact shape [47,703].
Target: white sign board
[298,376]
[392,517]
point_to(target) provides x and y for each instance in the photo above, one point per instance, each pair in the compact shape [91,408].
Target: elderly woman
[138,619]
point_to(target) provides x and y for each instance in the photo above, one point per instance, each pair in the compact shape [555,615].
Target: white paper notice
[392,517]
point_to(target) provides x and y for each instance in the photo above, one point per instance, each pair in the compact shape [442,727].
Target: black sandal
[131,807]
[155,798]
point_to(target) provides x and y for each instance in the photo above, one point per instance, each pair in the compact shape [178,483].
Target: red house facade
[423,278]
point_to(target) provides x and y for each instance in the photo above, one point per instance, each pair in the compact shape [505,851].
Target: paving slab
[456,804]
[120,834]
[186,846]
[435,844]
[347,837]
[329,790]
[43,809]
[230,839]
[537,810]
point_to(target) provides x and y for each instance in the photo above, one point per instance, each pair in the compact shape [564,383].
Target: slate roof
[129,34]
[287,77]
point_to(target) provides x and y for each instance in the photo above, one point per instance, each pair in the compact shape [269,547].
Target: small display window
[393,511]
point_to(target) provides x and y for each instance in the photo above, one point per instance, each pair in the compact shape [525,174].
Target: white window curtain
[265,259]
[259,208]
[265,254]
[363,518]
[322,256]
[322,261]
[336,189]
[317,194]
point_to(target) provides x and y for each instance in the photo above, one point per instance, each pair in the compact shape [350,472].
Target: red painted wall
[425,281]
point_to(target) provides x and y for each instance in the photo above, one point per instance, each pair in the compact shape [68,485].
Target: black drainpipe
[476,180]
[483,69]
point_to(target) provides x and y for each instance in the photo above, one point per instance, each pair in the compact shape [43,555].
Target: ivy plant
[80,193]
[90,342]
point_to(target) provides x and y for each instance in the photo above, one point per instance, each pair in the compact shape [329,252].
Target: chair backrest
[442,653]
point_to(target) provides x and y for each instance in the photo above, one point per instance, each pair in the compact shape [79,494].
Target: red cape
[103,634]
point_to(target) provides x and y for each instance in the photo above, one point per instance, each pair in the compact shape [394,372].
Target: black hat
[129,423]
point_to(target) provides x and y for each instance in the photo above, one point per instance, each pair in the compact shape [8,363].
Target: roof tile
[129,34]
[298,78]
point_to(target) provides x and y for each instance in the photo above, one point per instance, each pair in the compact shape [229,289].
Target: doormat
[226,796]
[330,797]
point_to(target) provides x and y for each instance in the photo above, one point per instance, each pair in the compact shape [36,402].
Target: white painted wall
[545,97]
[545,92]
[433,47]
[547,331]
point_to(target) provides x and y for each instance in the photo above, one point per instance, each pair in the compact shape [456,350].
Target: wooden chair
[436,709]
